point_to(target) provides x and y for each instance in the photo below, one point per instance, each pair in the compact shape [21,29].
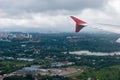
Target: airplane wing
[79,23]
[107,27]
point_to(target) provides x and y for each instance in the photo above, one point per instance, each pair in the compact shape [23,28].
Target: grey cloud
[25,9]
[14,6]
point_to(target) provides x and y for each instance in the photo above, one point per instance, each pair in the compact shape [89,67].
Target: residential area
[60,55]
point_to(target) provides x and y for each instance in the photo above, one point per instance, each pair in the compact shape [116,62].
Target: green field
[108,73]
[7,66]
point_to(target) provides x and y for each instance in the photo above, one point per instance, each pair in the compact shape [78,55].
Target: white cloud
[55,14]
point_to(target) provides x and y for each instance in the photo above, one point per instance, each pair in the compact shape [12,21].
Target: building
[60,64]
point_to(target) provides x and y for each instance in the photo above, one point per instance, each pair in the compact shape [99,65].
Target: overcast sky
[53,15]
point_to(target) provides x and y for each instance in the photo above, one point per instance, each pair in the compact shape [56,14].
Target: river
[85,52]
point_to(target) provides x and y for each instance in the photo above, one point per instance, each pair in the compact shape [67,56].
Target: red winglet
[78,28]
[79,23]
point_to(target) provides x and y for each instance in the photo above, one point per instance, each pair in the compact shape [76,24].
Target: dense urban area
[52,56]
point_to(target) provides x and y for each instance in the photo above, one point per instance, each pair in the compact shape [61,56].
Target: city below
[59,56]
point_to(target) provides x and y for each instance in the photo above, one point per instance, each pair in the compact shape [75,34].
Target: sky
[53,15]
